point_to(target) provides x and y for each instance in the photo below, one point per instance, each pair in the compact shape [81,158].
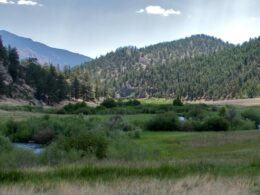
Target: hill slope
[198,67]
[45,54]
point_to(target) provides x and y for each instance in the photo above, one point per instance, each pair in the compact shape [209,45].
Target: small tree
[14,63]
[177,102]
[75,88]
[109,103]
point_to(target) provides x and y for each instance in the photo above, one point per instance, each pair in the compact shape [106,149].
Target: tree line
[49,84]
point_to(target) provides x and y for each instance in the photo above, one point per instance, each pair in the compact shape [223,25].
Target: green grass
[235,145]
[17,115]
[138,119]
[156,101]
[172,155]
[115,172]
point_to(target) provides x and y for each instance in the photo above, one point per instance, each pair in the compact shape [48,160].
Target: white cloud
[140,11]
[21,2]
[27,2]
[6,2]
[158,10]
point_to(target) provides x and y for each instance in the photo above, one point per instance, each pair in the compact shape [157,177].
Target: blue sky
[95,27]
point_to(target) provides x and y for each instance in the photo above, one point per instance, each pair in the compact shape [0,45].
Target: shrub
[118,123]
[109,103]
[17,131]
[43,136]
[87,142]
[46,117]
[133,103]
[222,112]
[231,113]
[101,148]
[61,111]
[4,144]
[244,125]
[164,122]
[84,110]
[78,108]
[191,125]
[216,124]
[177,102]
[197,113]
[127,127]
[251,115]
[11,127]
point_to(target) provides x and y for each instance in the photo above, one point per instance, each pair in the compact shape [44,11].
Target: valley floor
[190,163]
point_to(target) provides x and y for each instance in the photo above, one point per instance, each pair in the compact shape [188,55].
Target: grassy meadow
[131,148]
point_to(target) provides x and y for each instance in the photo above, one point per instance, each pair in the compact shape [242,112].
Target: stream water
[35,148]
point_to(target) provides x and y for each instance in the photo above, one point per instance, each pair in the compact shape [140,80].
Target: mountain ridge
[28,48]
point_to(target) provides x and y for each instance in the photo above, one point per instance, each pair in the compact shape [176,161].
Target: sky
[95,27]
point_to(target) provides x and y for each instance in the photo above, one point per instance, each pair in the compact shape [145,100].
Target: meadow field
[120,150]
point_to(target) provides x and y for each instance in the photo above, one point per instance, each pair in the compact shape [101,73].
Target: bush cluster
[251,115]
[170,122]
[164,122]
[111,103]
[87,142]
[78,108]
[204,118]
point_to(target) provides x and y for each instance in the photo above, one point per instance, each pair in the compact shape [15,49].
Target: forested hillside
[194,68]
[30,81]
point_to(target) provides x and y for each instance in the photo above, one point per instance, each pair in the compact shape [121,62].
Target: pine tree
[98,92]
[87,91]
[62,88]
[67,71]
[2,85]
[3,53]
[13,67]
[75,88]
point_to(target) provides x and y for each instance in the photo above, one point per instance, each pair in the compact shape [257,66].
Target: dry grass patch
[235,102]
[190,185]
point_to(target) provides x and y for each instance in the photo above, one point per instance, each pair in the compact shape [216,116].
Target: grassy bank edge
[114,172]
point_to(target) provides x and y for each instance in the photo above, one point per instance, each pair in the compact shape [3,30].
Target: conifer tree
[13,66]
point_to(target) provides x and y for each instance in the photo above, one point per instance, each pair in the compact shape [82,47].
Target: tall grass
[115,172]
[195,185]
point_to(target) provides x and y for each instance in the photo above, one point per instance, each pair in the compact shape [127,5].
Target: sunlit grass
[156,101]
[239,145]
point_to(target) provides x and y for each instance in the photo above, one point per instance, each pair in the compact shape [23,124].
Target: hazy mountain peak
[28,48]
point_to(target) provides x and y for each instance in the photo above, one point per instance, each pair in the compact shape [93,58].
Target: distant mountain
[194,67]
[45,54]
